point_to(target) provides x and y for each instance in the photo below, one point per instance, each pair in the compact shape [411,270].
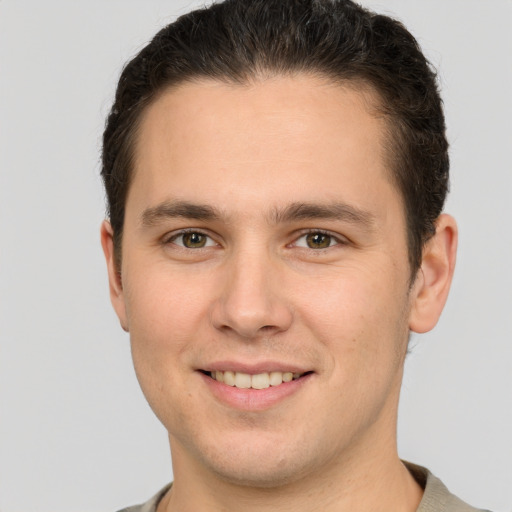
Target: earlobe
[114,275]
[432,285]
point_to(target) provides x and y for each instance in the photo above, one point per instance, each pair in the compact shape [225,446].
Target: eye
[192,240]
[316,240]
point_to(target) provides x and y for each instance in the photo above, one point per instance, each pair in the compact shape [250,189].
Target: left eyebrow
[330,211]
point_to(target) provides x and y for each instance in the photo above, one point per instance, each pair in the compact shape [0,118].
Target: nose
[252,302]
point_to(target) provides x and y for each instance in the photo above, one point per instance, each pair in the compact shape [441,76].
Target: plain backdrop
[75,431]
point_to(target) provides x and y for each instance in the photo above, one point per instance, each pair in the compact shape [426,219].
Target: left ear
[430,290]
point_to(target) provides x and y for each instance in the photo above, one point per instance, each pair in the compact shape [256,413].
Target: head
[237,42]
[275,173]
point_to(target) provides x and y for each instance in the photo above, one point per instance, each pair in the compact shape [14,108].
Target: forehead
[278,137]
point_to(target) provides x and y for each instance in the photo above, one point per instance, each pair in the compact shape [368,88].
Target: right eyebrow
[172,209]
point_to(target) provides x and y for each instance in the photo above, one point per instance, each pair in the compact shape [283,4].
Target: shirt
[436,497]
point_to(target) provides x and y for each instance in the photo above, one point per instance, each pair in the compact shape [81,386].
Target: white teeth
[258,381]
[242,380]
[276,378]
[229,378]
[287,376]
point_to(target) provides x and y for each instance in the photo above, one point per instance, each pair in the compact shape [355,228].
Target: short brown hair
[237,40]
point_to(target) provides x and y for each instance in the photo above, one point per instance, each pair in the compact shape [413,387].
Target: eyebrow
[330,211]
[173,209]
[297,211]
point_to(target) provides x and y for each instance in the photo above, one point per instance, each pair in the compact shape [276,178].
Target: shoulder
[437,497]
[151,504]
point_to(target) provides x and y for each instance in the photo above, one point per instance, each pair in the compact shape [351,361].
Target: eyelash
[337,239]
[174,236]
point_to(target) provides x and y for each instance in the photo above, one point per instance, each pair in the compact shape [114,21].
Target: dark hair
[239,40]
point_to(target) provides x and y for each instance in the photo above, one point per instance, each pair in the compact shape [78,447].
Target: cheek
[165,315]
[163,307]
[359,316]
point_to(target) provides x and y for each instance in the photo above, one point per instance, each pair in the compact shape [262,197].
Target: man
[276,173]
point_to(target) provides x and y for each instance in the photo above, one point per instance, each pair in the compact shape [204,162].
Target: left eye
[192,240]
[316,240]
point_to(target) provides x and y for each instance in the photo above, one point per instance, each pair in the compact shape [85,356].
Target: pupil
[194,240]
[318,240]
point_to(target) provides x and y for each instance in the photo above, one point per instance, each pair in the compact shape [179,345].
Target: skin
[259,293]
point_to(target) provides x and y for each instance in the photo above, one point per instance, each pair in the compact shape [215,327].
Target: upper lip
[254,368]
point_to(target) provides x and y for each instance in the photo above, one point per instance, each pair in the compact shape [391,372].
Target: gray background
[75,431]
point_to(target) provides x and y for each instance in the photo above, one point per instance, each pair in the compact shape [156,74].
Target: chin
[254,475]
[260,465]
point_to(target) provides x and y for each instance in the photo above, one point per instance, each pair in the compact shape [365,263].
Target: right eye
[192,240]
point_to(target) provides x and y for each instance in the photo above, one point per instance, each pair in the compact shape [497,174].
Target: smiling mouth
[259,381]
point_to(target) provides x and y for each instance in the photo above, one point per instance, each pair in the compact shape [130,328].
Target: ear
[114,274]
[430,290]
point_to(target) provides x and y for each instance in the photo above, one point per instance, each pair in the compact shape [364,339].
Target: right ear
[114,274]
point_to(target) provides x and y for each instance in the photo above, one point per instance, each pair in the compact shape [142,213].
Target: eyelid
[169,238]
[336,237]
[339,239]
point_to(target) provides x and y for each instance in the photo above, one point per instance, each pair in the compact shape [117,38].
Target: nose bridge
[250,302]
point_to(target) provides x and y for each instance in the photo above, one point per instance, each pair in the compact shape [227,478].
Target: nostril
[250,315]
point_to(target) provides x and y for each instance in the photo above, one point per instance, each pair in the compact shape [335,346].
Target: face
[265,278]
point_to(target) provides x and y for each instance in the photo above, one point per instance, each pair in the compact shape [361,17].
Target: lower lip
[253,399]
